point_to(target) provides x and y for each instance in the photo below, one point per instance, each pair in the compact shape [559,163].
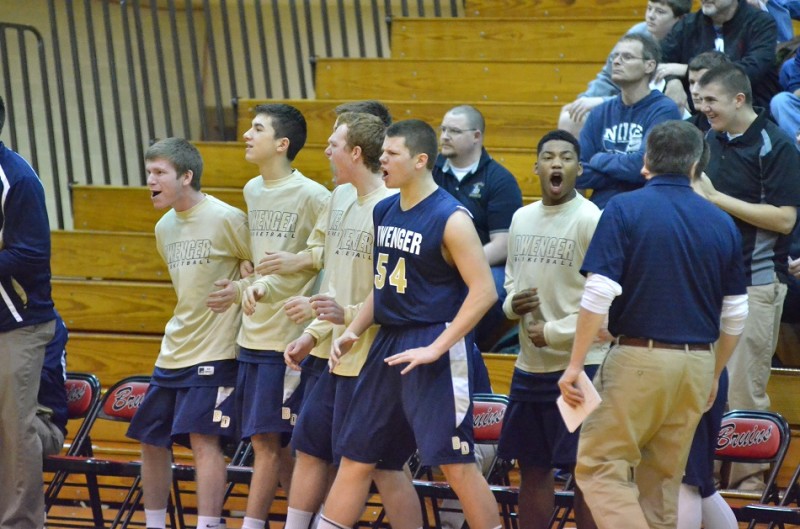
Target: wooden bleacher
[111,285]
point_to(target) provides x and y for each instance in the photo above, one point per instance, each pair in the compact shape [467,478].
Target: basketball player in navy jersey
[432,285]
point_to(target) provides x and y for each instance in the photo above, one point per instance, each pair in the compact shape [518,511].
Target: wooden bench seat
[508,125]
[555,8]
[126,208]
[453,80]
[542,38]
[109,255]
[114,306]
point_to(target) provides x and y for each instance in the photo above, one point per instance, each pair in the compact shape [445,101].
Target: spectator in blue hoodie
[27,324]
[613,139]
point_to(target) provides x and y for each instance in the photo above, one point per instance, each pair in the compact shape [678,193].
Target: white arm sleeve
[598,293]
[734,314]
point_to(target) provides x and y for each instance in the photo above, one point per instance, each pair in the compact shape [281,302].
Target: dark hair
[562,135]
[651,51]
[679,7]
[419,136]
[181,154]
[368,106]
[366,131]
[732,78]
[474,116]
[287,122]
[2,113]
[673,147]
[707,60]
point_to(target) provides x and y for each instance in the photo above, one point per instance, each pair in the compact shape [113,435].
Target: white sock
[717,514]
[253,523]
[208,522]
[325,523]
[155,518]
[297,519]
[689,507]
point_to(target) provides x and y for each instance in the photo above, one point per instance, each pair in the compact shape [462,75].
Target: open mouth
[154,194]
[556,181]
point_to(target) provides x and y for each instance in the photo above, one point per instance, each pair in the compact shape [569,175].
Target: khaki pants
[750,366]
[21,357]
[633,448]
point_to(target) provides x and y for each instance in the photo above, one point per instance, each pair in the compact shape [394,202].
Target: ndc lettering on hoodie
[623,137]
[187,253]
[272,223]
[542,249]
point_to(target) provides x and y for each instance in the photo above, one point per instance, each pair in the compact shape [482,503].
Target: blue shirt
[490,193]
[613,141]
[675,255]
[414,285]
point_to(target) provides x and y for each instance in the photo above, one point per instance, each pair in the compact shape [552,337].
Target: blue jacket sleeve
[26,230]
[591,142]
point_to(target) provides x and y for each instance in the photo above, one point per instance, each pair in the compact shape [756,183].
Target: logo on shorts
[223,420]
[205,371]
[461,446]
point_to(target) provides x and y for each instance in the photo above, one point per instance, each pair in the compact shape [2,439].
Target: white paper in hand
[573,417]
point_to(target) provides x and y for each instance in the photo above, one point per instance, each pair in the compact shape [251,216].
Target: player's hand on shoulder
[298,309]
[414,357]
[251,296]
[580,108]
[297,350]
[525,301]
[675,91]
[326,308]
[223,295]
[572,395]
[704,187]
[341,346]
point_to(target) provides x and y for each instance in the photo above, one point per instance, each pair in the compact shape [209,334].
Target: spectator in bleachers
[785,106]
[751,176]
[189,400]
[490,193]
[27,324]
[660,16]
[52,413]
[697,67]
[613,139]
[747,35]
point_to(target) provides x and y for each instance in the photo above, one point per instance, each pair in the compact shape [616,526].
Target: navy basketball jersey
[413,282]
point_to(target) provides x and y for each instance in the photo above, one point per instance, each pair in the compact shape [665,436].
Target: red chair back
[488,412]
[123,399]
[83,391]
[752,436]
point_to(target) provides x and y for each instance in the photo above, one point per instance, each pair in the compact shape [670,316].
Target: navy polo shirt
[490,193]
[675,255]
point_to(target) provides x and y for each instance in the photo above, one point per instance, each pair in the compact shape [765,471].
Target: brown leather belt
[645,342]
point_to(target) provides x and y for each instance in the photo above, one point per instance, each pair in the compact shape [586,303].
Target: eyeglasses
[450,131]
[623,57]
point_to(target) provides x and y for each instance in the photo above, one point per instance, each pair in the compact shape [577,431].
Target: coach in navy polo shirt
[665,265]
[490,193]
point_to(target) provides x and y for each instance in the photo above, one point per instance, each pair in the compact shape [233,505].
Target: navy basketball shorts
[269,394]
[700,465]
[168,415]
[430,407]
[311,368]
[534,432]
[323,414]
